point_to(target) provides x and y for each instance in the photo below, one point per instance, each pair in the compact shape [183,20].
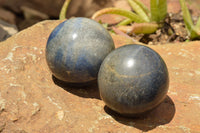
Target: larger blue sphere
[133,79]
[76,49]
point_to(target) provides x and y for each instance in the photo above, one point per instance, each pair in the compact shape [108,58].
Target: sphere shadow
[161,115]
[86,90]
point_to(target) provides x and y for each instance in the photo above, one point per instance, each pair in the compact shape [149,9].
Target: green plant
[64,8]
[146,21]
[192,29]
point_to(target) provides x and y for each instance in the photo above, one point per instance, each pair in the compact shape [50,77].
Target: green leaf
[64,8]
[194,34]
[139,10]
[198,24]
[193,31]
[125,22]
[144,28]
[139,28]
[158,10]
[132,16]
[105,25]
[186,16]
[197,27]
[145,9]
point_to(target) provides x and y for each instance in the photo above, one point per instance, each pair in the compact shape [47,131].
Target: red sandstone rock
[31,101]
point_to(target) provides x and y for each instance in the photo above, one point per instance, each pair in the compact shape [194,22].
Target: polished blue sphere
[76,49]
[133,79]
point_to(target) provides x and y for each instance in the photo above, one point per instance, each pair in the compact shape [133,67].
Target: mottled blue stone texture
[76,49]
[133,79]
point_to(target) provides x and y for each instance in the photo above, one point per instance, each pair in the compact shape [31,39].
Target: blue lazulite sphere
[76,49]
[133,79]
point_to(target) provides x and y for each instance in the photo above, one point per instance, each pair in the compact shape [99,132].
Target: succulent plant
[64,8]
[192,29]
[145,21]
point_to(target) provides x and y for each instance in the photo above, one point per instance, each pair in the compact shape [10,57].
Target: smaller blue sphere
[133,79]
[76,49]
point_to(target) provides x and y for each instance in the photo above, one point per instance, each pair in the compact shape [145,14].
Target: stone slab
[32,101]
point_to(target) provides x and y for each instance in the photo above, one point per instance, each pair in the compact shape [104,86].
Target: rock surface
[32,101]
[7,16]
[6,30]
